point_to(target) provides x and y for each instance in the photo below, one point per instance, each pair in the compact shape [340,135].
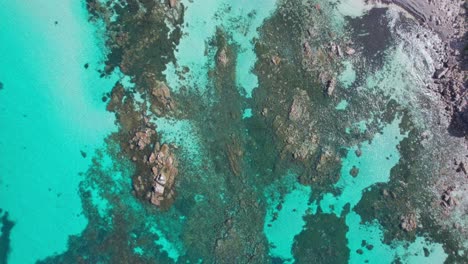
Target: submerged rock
[358,152]
[354,171]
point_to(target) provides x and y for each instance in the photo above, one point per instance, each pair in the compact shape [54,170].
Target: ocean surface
[51,116]
[52,120]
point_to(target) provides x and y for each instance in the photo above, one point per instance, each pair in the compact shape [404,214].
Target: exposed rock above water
[142,138]
[222,57]
[157,169]
[409,222]
[173,3]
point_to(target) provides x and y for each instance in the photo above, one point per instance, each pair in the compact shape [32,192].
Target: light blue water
[348,76]
[342,105]
[282,225]
[374,165]
[247,113]
[50,109]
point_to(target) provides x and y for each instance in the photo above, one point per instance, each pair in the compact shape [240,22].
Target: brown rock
[276,60]
[331,86]
[222,57]
[350,51]
[173,3]
[408,222]
[296,110]
[155,199]
[161,90]
[152,158]
[155,171]
[307,50]
[143,138]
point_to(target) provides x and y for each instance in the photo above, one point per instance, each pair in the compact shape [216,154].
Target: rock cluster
[157,169]
[161,100]
[142,138]
[163,173]
[447,201]
[409,222]
[173,3]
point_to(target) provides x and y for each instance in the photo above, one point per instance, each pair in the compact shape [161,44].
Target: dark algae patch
[6,227]
[322,241]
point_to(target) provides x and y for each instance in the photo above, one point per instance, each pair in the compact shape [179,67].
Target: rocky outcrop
[447,201]
[298,107]
[156,168]
[161,100]
[173,3]
[297,130]
[409,222]
[331,86]
[163,173]
[276,60]
[142,138]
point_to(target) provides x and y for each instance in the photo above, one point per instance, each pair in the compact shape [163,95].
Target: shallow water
[51,109]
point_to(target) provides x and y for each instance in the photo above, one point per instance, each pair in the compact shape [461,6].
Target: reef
[207,164]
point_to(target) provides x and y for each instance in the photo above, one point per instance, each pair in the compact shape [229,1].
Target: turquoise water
[375,163]
[50,110]
[284,218]
[341,105]
[348,76]
[247,113]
